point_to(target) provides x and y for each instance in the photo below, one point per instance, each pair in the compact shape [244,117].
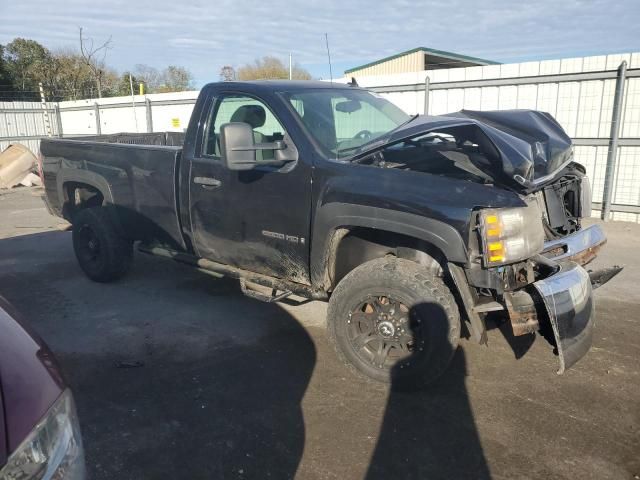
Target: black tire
[103,254]
[420,312]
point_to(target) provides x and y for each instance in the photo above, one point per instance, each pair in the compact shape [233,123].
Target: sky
[205,35]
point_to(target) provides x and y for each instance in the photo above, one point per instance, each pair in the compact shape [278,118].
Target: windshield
[342,120]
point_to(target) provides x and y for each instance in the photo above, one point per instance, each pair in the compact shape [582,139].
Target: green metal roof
[456,57]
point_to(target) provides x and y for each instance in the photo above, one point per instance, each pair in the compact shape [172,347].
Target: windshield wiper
[381,137]
[390,132]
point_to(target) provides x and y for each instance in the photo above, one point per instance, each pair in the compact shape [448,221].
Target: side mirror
[238,148]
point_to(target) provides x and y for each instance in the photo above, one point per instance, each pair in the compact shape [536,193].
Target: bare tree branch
[95,58]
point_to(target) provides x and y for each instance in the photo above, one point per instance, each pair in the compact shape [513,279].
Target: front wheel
[395,322]
[103,254]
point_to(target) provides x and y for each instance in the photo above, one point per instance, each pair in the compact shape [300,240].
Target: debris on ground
[16,163]
[31,180]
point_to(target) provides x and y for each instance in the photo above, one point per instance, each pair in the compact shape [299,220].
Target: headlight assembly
[511,235]
[53,450]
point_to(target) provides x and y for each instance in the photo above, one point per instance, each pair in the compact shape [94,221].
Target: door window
[238,108]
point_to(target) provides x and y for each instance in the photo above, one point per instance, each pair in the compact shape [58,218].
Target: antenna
[326,41]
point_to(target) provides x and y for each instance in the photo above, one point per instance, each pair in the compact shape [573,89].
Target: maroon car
[39,433]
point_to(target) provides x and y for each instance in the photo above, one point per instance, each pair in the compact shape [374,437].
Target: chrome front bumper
[568,300]
[580,247]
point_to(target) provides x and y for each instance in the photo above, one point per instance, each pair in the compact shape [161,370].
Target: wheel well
[359,245]
[78,196]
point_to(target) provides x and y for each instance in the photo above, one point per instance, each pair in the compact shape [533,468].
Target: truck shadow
[177,375]
[430,434]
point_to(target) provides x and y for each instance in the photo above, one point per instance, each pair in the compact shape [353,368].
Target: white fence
[579,92]
[24,122]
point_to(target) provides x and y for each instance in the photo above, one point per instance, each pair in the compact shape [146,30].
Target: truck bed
[165,139]
[136,174]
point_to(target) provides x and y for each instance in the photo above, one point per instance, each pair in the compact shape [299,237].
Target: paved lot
[229,387]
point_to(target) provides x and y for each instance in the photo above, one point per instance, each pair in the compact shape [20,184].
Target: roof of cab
[279,85]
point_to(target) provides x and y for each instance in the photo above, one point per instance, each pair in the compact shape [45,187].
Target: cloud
[204,35]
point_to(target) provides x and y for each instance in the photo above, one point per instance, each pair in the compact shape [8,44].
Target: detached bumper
[568,300]
[580,247]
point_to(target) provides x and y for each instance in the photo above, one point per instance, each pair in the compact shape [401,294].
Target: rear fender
[83,176]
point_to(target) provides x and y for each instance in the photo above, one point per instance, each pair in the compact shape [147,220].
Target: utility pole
[290,68]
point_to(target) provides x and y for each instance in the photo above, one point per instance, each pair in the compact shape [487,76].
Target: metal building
[416,60]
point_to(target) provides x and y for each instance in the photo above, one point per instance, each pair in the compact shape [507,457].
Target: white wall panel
[455,100]
[631,118]
[571,65]
[568,100]
[490,71]
[123,119]
[595,64]
[439,104]
[549,67]
[527,96]
[627,182]
[548,98]
[473,98]
[529,69]
[507,97]
[614,60]
[509,70]
[489,98]
[588,123]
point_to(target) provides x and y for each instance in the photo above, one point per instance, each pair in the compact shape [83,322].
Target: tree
[94,59]
[271,68]
[73,80]
[6,81]
[175,79]
[123,86]
[150,76]
[227,73]
[28,63]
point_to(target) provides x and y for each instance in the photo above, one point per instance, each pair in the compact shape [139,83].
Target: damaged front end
[561,307]
[552,294]
[526,261]
[569,305]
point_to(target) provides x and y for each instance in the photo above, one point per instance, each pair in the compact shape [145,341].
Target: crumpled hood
[530,144]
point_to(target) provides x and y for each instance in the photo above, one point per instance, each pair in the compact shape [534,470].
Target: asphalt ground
[178,375]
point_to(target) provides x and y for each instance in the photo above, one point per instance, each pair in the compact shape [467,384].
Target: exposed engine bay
[465,153]
[460,152]
[566,201]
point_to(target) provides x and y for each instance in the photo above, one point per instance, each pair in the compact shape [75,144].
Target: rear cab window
[246,109]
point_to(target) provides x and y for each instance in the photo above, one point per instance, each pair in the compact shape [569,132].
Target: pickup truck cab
[413,228]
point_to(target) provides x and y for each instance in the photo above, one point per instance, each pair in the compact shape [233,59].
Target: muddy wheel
[103,254]
[394,321]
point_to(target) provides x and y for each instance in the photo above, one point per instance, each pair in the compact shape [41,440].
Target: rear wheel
[103,254]
[394,321]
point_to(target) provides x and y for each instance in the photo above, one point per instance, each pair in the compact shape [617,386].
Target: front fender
[335,215]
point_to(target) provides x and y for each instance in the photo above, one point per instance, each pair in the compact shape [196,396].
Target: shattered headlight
[511,235]
[53,450]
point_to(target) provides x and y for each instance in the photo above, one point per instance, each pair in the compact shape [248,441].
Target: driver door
[259,219]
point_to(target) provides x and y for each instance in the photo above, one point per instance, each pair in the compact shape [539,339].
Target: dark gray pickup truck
[415,229]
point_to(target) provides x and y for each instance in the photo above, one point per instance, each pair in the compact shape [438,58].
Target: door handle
[207,182]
